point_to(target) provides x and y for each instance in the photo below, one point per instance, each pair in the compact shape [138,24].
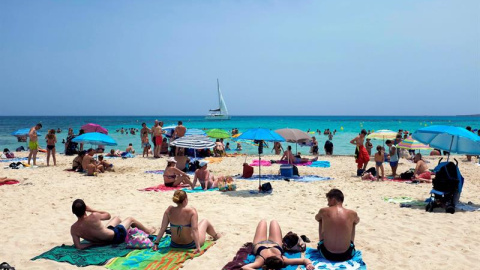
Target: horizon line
[241,115]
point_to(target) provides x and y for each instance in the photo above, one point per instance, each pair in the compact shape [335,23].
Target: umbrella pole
[259,171]
[449,150]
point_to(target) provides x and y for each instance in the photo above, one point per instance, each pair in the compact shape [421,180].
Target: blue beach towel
[320,164]
[251,259]
[274,177]
[198,190]
[321,263]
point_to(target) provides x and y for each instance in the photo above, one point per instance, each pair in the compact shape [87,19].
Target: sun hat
[203,163]
[171,159]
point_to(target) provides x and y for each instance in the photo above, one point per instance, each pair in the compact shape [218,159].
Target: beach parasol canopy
[169,130]
[23,132]
[194,142]
[383,134]
[90,127]
[449,138]
[195,131]
[95,138]
[410,143]
[218,133]
[293,135]
[261,134]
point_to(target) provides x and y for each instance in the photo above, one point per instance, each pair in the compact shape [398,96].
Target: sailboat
[221,113]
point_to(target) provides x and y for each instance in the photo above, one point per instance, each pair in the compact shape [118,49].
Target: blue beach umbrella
[23,132]
[449,138]
[195,131]
[261,134]
[95,138]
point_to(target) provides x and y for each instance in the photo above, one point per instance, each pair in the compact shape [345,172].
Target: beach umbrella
[412,144]
[90,127]
[195,131]
[449,138]
[169,130]
[261,135]
[294,135]
[95,138]
[383,134]
[194,142]
[218,133]
[23,132]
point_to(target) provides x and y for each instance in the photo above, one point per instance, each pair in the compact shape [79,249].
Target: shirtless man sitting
[87,161]
[421,172]
[204,177]
[336,228]
[90,227]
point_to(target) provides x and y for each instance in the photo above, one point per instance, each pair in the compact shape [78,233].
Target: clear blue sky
[410,57]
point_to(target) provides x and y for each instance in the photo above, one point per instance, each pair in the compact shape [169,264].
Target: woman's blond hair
[179,196]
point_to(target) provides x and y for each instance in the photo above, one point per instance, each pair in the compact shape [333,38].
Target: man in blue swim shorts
[90,227]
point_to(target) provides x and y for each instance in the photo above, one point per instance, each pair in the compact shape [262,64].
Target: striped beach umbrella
[411,144]
[383,134]
[194,142]
[195,131]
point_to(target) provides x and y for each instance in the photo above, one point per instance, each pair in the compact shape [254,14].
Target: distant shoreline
[159,115]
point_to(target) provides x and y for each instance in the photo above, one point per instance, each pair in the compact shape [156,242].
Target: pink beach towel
[9,182]
[257,162]
[296,164]
[163,188]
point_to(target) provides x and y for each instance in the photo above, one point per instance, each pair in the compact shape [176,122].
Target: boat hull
[217,117]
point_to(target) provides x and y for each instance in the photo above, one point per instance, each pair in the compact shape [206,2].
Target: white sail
[222,112]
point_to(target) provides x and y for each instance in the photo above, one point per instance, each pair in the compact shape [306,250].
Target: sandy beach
[36,214]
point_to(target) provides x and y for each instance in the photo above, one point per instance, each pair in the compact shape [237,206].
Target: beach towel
[297,164]
[274,177]
[213,159]
[264,163]
[320,164]
[321,263]
[162,171]
[9,182]
[90,256]
[162,188]
[165,258]
[14,159]
[405,200]
[198,190]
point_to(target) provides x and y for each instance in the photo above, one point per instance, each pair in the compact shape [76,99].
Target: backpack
[292,243]
[372,170]
[295,171]
[406,175]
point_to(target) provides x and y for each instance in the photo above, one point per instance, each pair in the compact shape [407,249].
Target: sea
[347,127]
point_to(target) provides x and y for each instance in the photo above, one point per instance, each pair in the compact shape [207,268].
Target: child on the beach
[379,159]
[92,168]
[51,140]
[145,143]
[239,147]
[106,165]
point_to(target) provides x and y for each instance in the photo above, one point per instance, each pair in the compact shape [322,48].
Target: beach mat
[405,200]
[91,256]
[320,164]
[321,263]
[198,190]
[283,162]
[264,163]
[163,188]
[162,171]
[166,258]
[275,177]
[9,182]
[213,159]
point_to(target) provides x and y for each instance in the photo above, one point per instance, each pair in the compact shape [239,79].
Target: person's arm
[355,222]
[417,168]
[284,154]
[318,218]
[354,141]
[195,233]
[207,178]
[103,215]
[76,241]
[163,228]
[180,172]
[255,265]
[302,261]
[195,178]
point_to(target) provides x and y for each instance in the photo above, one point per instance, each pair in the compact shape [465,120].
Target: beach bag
[266,187]
[407,175]
[138,239]
[372,170]
[247,171]
[228,184]
[293,243]
[295,170]
[360,172]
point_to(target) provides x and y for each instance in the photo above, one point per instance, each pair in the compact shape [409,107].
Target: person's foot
[151,231]
[315,159]
[217,236]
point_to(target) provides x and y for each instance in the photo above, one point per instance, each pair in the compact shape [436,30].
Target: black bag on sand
[406,175]
[266,187]
[372,170]
[293,243]
[295,171]
[360,172]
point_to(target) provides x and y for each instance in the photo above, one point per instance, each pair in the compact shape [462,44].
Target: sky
[411,57]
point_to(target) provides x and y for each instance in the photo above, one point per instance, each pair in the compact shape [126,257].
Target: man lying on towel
[90,227]
[336,229]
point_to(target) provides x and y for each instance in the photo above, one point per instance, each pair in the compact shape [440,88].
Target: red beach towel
[162,188]
[9,182]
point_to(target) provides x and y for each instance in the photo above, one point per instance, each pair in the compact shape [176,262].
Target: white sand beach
[36,214]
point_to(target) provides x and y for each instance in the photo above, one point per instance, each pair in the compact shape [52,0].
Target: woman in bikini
[51,140]
[187,232]
[269,252]
[203,176]
[173,177]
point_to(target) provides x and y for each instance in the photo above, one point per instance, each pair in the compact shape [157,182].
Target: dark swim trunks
[336,257]
[119,234]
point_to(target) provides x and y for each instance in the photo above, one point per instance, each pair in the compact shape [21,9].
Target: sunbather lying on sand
[187,232]
[269,252]
[291,159]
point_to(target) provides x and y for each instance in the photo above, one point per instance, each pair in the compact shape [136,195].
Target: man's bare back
[91,229]
[180,131]
[33,134]
[338,227]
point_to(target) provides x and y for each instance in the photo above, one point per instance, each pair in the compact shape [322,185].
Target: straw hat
[171,159]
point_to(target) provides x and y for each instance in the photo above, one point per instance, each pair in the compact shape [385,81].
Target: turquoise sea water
[351,126]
